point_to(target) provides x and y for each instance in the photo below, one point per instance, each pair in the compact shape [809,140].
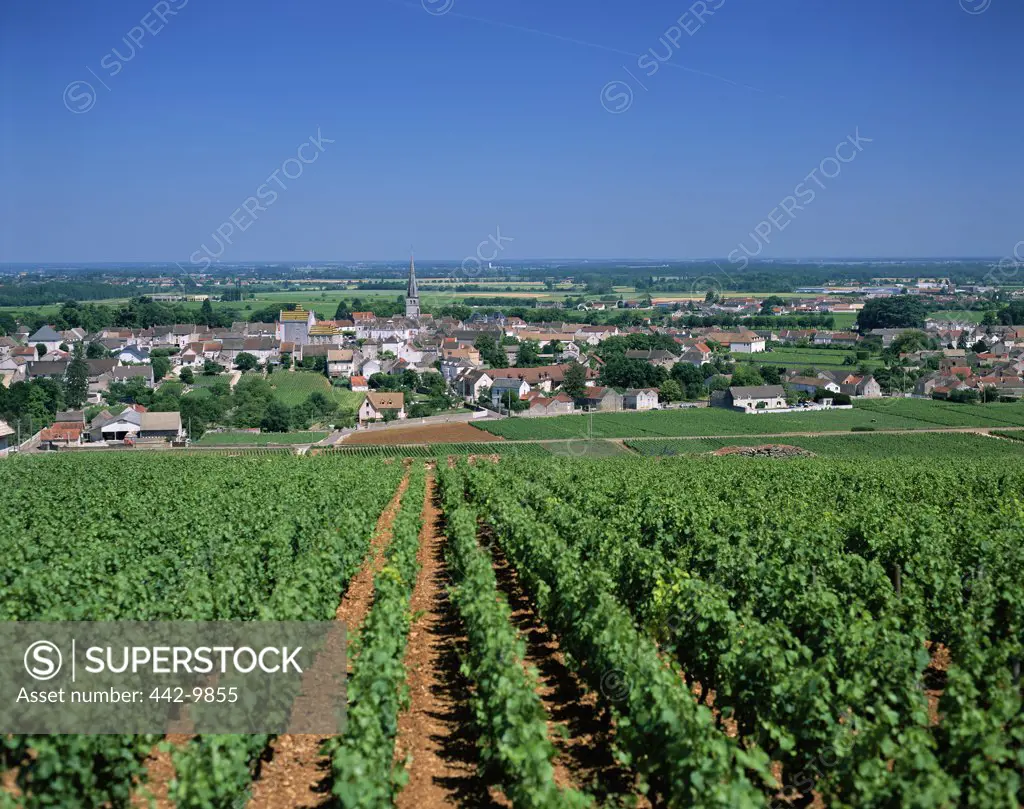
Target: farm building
[161,425]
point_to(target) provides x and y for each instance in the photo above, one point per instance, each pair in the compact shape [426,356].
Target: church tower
[412,294]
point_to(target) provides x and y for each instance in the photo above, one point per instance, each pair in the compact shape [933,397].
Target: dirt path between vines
[580,730]
[297,774]
[437,731]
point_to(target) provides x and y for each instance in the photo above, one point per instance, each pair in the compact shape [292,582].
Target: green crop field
[881,414]
[209,380]
[869,614]
[241,439]
[294,387]
[584,448]
[867,446]
[828,359]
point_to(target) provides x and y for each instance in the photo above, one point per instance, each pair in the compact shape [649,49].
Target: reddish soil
[455,433]
[159,772]
[8,783]
[296,774]
[435,736]
[581,732]
[935,678]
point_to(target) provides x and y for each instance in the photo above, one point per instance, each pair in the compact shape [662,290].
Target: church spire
[413,290]
[412,293]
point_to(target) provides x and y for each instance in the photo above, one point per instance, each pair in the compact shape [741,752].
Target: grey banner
[172,677]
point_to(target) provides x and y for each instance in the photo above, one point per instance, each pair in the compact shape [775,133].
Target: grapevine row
[363,773]
[508,712]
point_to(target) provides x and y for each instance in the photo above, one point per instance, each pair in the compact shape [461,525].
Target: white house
[753,399]
[375,405]
[46,336]
[518,388]
[747,345]
[640,399]
[132,353]
[810,384]
[340,362]
[471,383]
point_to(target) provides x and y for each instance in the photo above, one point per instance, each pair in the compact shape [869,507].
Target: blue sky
[436,129]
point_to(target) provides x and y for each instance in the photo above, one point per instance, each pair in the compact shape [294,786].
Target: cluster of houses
[356,349]
[130,426]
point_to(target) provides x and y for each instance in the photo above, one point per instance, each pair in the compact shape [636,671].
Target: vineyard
[869,446]
[879,414]
[550,632]
[228,439]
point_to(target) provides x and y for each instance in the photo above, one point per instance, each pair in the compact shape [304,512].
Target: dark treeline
[48,292]
[138,313]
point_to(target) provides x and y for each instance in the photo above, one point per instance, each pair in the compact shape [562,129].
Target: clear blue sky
[449,125]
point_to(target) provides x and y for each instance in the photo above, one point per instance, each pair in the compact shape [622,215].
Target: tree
[246,361]
[670,391]
[187,376]
[511,401]
[41,350]
[211,368]
[746,376]
[342,312]
[529,354]
[490,352]
[909,342]
[961,342]
[409,379]
[980,347]
[897,312]
[76,382]
[161,367]
[95,351]
[433,384]
[206,315]
[575,382]
[772,374]
[276,418]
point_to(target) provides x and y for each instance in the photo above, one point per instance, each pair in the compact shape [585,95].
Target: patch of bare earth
[935,678]
[454,433]
[296,774]
[435,736]
[582,733]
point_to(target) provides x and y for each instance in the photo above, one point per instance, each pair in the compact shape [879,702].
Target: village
[504,366]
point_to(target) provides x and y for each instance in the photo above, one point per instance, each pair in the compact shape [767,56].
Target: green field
[294,387]
[882,414]
[586,449]
[844,320]
[243,439]
[865,446]
[209,380]
[830,359]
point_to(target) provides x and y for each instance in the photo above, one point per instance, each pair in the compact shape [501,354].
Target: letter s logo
[43,660]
